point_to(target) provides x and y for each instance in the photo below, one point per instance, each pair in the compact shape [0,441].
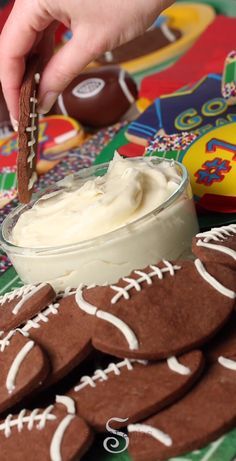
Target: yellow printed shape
[197,155]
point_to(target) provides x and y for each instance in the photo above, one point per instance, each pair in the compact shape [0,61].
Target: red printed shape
[210,50]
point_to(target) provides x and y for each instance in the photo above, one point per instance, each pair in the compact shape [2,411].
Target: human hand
[97,26]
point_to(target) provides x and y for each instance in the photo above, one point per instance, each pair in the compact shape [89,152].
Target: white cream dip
[124,194]
[100,228]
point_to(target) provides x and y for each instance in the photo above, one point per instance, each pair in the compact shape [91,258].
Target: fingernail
[14,122]
[47,102]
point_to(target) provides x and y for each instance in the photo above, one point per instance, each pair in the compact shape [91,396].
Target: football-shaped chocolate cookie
[200,417]
[23,368]
[98,97]
[152,40]
[162,310]
[24,303]
[54,433]
[64,332]
[132,390]
[223,346]
[28,131]
[217,245]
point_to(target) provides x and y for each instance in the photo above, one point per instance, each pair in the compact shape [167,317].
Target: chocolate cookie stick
[28,131]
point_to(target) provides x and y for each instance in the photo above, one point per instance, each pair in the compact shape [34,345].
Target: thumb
[63,67]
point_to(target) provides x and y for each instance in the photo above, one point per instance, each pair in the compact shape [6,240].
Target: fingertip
[11,97]
[59,72]
[11,77]
[46,102]
[14,122]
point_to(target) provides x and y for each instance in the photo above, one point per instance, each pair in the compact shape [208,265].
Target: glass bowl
[164,233]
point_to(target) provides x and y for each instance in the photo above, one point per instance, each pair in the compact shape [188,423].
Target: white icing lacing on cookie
[152,431]
[32,180]
[110,318]
[41,417]
[68,402]
[7,339]
[29,129]
[41,317]
[167,32]
[68,292]
[33,323]
[55,447]
[30,420]
[212,281]
[227,363]
[177,367]
[24,292]
[14,369]
[101,375]
[37,78]
[218,235]
[108,55]
[136,283]
[18,292]
[32,128]
[120,325]
[220,248]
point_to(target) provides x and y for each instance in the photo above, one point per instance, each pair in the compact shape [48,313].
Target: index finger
[16,41]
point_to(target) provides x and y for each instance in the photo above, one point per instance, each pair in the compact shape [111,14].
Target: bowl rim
[86,173]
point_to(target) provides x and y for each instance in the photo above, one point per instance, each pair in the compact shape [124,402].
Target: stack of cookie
[172,396]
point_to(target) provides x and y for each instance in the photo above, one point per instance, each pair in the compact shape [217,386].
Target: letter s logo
[113,441]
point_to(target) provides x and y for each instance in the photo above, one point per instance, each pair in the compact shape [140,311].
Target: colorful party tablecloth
[100,148]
